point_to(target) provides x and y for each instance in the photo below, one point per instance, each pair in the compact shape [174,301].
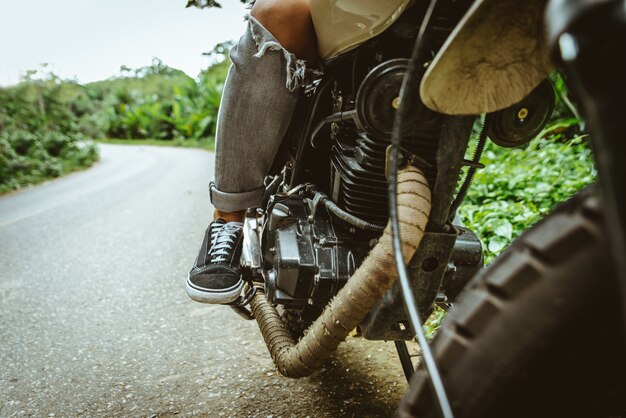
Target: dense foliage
[44,119]
[39,135]
[519,186]
[155,102]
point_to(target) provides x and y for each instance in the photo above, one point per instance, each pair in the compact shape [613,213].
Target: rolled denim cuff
[234,202]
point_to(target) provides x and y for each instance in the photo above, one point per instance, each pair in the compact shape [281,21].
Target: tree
[203,4]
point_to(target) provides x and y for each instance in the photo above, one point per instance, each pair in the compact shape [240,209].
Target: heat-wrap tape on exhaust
[362,291]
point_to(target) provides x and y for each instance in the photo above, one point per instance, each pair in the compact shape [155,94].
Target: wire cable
[409,91]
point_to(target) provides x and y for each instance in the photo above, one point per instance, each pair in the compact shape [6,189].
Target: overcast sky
[91,39]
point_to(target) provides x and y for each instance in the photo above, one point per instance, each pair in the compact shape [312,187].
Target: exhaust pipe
[362,291]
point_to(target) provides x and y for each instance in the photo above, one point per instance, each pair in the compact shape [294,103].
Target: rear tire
[538,333]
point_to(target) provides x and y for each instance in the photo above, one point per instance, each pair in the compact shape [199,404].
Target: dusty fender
[495,56]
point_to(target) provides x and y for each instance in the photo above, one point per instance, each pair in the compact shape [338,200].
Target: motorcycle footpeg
[239,305]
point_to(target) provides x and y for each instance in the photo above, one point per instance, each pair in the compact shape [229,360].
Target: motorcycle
[319,261]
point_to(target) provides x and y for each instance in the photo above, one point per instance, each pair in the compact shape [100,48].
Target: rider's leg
[259,98]
[291,24]
[258,101]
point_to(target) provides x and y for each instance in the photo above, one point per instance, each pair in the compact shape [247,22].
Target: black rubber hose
[335,117]
[351,219]
[409,96]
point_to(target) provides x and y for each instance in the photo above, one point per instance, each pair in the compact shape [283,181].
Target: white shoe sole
[220,297]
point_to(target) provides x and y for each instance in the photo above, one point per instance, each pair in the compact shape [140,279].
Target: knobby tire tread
[522,341]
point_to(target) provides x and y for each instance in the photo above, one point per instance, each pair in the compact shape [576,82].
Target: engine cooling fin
[358,171]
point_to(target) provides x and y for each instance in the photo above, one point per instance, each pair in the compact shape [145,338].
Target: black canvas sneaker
[215,277]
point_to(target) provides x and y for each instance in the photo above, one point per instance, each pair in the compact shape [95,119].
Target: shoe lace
[215,230]
[223,241]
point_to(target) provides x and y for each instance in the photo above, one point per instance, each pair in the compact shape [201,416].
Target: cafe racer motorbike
[319,261]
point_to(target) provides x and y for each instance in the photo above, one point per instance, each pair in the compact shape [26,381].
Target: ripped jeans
[257,105]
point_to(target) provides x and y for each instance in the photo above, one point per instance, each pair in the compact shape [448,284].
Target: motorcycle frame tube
[299,142]
[342,25]
[595,74]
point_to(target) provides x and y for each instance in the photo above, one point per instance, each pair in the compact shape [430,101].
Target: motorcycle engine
[308,255]
[359,150]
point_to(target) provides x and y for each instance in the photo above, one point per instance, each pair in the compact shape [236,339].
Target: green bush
[29,158]
[43,119]
[39,136]
[55,142]
[22,141]
[157,102]
[520,186]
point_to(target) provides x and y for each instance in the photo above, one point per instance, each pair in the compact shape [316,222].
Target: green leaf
[497,244]
[504,229]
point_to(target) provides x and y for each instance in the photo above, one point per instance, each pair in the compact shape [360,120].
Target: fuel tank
[342,25]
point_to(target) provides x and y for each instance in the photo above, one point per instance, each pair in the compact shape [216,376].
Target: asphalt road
[94,319]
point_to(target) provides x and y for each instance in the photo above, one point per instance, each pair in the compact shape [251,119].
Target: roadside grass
[205,144]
